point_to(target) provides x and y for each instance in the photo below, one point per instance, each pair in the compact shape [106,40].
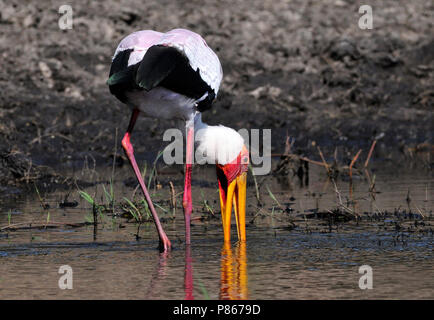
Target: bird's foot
[165,244]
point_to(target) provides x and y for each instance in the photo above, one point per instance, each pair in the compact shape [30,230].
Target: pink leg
[126,144]
[187,201]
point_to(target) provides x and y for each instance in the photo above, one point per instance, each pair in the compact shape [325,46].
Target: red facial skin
[230,171]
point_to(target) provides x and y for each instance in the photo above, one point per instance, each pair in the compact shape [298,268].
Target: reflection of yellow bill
[236,195]
[233,280]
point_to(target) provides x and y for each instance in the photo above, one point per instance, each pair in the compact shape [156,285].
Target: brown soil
[302,68]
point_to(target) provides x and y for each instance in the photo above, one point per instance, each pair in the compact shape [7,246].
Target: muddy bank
[302,68]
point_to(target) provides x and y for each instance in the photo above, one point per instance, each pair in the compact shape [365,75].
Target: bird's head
[225,147]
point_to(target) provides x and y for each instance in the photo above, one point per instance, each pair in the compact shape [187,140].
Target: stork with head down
[175,75]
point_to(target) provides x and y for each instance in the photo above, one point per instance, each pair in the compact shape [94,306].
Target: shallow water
[314,260]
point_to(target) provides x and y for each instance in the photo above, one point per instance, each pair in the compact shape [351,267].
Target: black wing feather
[121,77]
[156,65]
[161,66]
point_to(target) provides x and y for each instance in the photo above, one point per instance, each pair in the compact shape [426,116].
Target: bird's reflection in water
[188,274]
[233,280]
[160,274]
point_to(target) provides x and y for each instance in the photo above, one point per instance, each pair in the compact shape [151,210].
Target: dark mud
[302,68]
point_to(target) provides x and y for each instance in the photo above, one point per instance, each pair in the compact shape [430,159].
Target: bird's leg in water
[187,201]
[128,147]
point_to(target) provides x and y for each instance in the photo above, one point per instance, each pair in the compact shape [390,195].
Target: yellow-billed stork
[175,75]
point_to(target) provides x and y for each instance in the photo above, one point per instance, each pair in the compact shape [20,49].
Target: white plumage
[140,42]
[161,103]
[199,55]
[192,45]
[216,144]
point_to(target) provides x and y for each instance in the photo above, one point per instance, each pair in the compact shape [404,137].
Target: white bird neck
[216,144]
